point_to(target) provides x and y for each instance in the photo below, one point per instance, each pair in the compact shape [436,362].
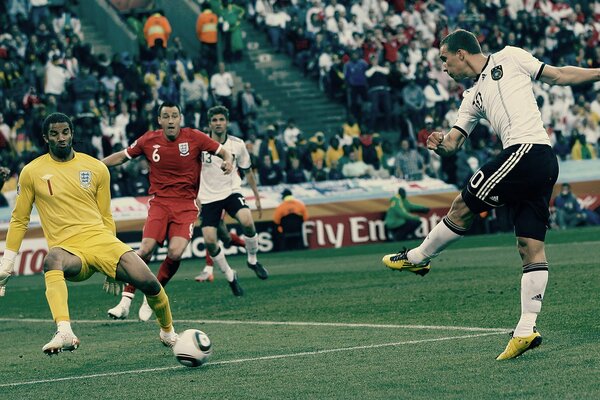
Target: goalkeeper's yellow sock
[159,303]
[57,295]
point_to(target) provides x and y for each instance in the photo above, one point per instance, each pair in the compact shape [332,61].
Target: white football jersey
[503,95]
[214,184]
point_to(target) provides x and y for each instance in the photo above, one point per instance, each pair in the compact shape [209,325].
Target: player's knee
[212,248]
[52,261]
[462,217]
[249,230]
[150,287]
[531,250]
[175,254]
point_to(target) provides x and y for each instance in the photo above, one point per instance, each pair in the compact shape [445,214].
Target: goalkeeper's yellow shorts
[98,252]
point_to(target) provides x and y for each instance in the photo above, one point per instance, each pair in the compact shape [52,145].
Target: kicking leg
[121,310]
[131,268]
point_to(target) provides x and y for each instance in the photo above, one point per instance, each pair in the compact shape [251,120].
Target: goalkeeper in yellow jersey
[71,192]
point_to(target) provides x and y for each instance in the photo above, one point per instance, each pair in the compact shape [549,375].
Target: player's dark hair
[168,104]
[461,39]
[56,118]
[216,110]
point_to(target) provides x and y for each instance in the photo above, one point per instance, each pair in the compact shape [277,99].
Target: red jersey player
[174,155]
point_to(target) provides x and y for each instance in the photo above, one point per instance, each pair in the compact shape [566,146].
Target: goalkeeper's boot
[121,310]
[145,311]
[205,276]
[520,344]
[399,262]
[62,341]
[235,286]
[260,271]
[168,338]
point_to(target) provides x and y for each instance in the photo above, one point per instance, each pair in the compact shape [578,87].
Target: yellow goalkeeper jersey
[72,199]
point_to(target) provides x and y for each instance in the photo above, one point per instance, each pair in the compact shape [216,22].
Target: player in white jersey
[521,177]
[219,192]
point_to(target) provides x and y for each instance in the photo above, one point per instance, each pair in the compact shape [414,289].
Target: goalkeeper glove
[112,286]
[6,270]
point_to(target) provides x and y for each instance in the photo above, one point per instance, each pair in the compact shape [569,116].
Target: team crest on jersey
[497,72]
[85,179]
[184,149]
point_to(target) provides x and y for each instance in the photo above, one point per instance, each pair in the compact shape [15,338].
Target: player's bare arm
[115,159]
[569,75]
[445,145]
[252,182]
[227,165]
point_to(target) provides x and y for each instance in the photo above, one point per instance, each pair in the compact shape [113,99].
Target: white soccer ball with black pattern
[192,348]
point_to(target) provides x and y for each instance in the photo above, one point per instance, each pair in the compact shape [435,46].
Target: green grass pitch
[327,324]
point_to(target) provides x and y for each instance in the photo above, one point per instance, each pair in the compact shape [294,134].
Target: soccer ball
[192,348]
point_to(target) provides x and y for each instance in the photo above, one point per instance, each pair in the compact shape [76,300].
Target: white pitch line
[243,360]
[282,323]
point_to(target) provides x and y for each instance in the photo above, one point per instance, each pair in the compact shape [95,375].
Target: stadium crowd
[378,57]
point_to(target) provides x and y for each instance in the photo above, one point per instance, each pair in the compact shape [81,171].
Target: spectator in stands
[17,9]
[276,22]
[369,150]
[561,147]
[568,210]
[157,31]
[426,131]
[334,173]
[66,23]
[207,33]
[334,151]
[5,146]
[414,102]
[110,80]
[356,84]
[409,163]
[298,46]
[221,85]
[379,95]
[273,146]
[4,175]
[319,172]
[55,77]
[290,133]
[193,93]
[582,150]
[436,97]
[400,221]
[356,168]
[324,62]
[232,15]
[248,102]
[39,11]
[350,129]
[295,173]
[317,146]
[336,84]
[270,174]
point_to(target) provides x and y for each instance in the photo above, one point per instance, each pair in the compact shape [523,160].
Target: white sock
[126,298]
[251,248]
[533,287]
[223,265]
[209,269]
[64,326]
[441,236]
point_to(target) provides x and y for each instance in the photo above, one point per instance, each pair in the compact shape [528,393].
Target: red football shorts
[169,217]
